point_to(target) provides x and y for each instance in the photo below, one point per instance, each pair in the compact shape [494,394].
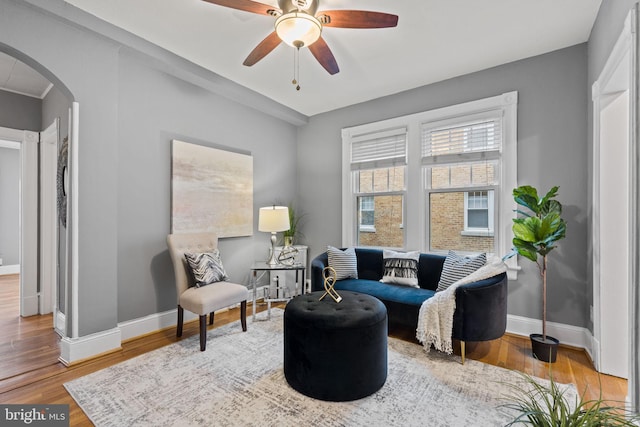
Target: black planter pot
[545,350]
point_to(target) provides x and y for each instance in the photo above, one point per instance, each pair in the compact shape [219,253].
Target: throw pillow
[401,268]
[456,267]
[206,268]
[344,262]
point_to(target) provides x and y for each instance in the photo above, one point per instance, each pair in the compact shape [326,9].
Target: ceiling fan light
[298,27]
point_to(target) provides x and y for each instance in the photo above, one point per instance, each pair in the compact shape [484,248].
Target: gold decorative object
[329,275]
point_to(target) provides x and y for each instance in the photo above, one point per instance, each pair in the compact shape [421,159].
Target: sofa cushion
[401,268]
[386,292]
[344,262]
[370,263]
[206,268]
[456,267]
[429,268]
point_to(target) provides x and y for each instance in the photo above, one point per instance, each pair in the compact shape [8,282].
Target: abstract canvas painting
[212,190]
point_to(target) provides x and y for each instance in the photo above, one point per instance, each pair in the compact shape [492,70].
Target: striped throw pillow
[344,262]
[401,268]
[456,267]
[206,268]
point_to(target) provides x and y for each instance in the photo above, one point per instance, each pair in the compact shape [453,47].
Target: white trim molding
[574,336]
[73,230]
[152,323]
[48,218]
[13,145]
[155,322]
[74,350]
[618,75]
[9,269]
[29,224]
[60,323]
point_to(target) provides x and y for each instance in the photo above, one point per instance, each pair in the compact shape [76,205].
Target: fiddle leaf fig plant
[537,231]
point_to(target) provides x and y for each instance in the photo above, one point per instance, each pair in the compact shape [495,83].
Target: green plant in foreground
[548,406]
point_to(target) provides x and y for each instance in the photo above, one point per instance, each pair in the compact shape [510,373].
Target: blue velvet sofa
[481,307]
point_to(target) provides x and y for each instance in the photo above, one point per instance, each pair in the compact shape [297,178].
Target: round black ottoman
[335,351]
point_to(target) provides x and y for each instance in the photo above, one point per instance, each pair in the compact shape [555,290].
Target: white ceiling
[18,77]
[434,40]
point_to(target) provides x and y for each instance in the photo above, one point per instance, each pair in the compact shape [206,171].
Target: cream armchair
[205,299]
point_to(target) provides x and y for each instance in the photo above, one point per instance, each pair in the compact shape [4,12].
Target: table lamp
[272,219]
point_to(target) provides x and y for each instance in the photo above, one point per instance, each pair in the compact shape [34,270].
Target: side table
[257,266]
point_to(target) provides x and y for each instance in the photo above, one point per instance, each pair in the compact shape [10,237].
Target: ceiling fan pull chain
[294,81]
[296,67]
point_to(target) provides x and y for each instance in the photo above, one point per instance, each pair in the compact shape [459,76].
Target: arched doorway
[44,260]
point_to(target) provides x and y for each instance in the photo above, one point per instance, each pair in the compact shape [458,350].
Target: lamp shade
[273,219]
[298,29]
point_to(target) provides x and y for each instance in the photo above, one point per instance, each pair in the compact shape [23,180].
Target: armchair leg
[243,315]
[211,318]
[203,332]
[462,350]
[180,321]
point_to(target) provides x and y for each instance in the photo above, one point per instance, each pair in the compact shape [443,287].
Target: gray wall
[129,111]
[9,206]
[87,64]
[604,35]
[155,108]
[552,150]
[20,111]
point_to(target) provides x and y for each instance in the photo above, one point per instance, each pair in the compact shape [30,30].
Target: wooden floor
[45,384]
[25,343]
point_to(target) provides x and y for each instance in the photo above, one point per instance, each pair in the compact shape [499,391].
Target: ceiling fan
[299,24]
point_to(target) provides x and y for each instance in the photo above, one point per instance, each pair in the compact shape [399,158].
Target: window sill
[477,233]
[367,229]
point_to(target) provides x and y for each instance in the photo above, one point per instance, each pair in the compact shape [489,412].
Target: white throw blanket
[435,321]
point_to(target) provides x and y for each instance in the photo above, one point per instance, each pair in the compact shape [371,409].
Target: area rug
[239,381]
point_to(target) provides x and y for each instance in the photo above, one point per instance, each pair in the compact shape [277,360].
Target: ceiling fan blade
[246,5]
[263,49]
[323,54]
[358,19]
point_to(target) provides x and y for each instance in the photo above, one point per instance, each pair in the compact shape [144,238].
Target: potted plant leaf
[290,235]
[536,404]
[536,233]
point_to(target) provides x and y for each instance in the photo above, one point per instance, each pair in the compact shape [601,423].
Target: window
[461,159]
[478,216]
[434,181]
[367,213]
[377,165]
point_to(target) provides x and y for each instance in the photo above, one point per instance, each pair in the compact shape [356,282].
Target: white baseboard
[29,305]
[73,350]
[574,336]
[9,269]
[595,352]
[61,323]
[76,349]
[152,323]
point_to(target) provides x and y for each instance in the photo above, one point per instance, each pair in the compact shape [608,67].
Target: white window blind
[476,139]
[380,149]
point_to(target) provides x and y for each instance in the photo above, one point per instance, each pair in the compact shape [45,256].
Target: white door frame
[28,217]
[48,218]
[618,75]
